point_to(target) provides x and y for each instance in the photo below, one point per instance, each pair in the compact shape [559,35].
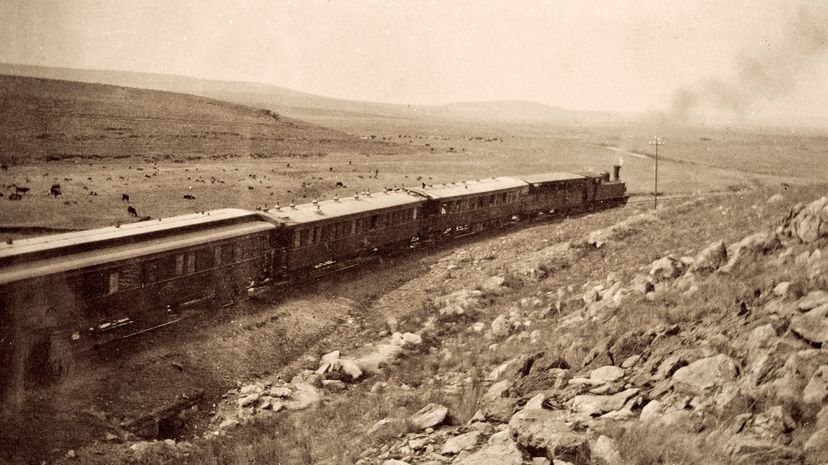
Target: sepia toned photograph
[367,232]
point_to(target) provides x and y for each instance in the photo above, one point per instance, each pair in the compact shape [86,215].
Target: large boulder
[807,223]
[710,259]
[666,268]
[816,447]
[606,374]
[500,450]
[428,417]
[760,243]
[813,325]
[595,405]
[816,392]
[751,451]
[465,441]
[546,432]
[706,374]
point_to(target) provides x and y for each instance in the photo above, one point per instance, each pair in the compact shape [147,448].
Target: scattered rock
[501,327]
[428,417]
[807,223]
[547,432]
[710,258]
[706,374]
[248,400]
[388,424]
[816,392]
[816,448]
[758,243]
[501,450]
[813,300]
[813,325]
[669,366]
[749,451]
[536,401]
[394,462]
[594,405]
[606,449]
[781,289]
[606,374]
[465,441]
[775,198]
[666,268]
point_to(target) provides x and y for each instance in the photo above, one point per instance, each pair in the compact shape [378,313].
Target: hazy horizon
[764,61]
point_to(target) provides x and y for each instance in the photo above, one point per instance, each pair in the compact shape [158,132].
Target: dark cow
[21,189]
[189,196]
[132,211]
[55,190]
[125,198]
[340,184]
[15,197]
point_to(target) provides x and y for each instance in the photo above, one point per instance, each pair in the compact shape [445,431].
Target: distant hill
[293,103]
[58,119]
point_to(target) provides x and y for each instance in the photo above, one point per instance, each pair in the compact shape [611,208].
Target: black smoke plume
[764,72]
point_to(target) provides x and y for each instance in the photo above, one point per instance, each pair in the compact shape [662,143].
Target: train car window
[303,237]
[217,255]
[179,265]
[90,286]
[129,276]
[202,259]
[113,282]
[191,262]
[238,252]
[296,242]
[373,224]
[416,212]
[317,235]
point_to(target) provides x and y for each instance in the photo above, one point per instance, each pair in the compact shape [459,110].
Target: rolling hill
[298,104]
[51,119]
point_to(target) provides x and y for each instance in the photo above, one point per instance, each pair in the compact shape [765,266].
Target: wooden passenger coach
[331,230]
[76,288]
[471,206]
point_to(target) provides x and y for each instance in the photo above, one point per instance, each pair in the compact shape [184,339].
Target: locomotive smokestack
[616,173]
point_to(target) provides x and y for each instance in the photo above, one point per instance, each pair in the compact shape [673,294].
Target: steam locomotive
[65,290]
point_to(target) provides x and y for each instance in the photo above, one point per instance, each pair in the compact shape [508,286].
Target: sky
[745,58]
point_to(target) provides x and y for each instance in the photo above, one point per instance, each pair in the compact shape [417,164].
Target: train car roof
[464,188]
[57,241]
[347,206]
[114,254]
[549,177]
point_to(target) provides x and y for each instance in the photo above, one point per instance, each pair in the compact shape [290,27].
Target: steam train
[65,290]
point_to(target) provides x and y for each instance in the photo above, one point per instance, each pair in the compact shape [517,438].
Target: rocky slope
[693,334]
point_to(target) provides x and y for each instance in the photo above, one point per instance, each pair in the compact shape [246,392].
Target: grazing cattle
[145,218]
[55,190]
[340,184]
[125,198]
[250,187]
[132,211]
[21,189]
[189,196]
[15,197]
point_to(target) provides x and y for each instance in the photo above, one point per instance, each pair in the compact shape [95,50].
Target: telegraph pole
[656,141]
